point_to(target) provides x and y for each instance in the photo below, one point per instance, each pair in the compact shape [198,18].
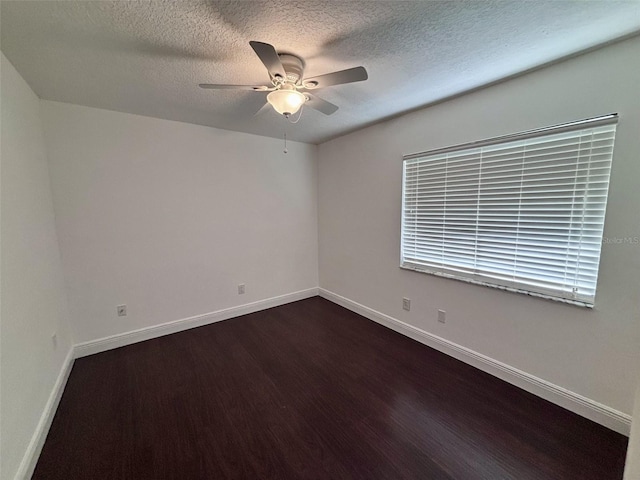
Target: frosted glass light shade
[285,101]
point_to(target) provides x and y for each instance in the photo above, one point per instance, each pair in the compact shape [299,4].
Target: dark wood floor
[309,390]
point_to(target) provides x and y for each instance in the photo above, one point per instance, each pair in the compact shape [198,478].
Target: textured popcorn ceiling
[148,57]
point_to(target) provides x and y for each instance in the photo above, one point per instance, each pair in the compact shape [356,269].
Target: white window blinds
[523,212]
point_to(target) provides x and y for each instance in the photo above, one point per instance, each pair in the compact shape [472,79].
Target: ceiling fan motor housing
[293,67]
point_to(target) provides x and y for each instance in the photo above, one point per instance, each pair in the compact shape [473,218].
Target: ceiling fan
[288,89]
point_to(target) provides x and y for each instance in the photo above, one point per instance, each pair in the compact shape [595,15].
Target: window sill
[577,303]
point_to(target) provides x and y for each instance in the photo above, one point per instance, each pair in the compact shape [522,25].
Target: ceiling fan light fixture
[286,101]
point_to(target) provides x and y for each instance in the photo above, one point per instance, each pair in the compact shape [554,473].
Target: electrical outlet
[406,304]
[241,289]
[122,310]
[442,316]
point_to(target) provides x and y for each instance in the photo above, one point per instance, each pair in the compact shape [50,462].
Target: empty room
[320,240]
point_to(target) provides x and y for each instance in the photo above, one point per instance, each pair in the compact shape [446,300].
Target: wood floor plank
[309,390]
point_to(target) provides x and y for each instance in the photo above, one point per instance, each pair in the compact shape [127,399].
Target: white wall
[590,352]
[34,304]
[168,218]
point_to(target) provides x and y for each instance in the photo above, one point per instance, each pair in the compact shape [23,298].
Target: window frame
[516,286]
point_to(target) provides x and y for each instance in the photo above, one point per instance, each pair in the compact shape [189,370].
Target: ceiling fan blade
[268,55]
[263,109]
[213,86]
[350,75]
[321,105]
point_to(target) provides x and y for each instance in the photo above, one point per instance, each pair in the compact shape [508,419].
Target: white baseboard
[147,333]
[597,412]
[30,458]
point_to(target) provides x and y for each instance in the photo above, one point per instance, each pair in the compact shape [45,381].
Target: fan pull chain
[285,141]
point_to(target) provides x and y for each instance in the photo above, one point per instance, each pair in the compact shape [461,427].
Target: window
[523,212]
